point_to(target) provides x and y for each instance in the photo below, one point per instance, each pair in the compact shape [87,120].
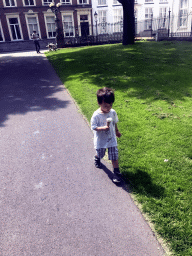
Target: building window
[51,30]
[148,18]
[118,20]
[163,12]
[183,19]
[15,29]
[102,2]
[115,2]
[102,16]
[9,3]
[68,25]
[83,1]
[29,2]
[118,15]
[66,1]
[47,2]
[102,24]
[32,25]
[148,13]
[1,34]
[162,17]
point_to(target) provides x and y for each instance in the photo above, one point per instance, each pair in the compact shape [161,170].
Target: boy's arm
[94,125]
[118,134]
[102,128]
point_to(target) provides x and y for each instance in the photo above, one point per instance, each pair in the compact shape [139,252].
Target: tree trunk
[128,21]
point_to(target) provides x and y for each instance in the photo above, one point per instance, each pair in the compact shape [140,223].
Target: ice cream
[109,120]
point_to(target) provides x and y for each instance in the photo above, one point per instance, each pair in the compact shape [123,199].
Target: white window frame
[148,17]
[163,11]
[117,18]
[68,14]
[102,2]
[117,15]
[1,29]
[29,4]
[45,17]
[115,2]
[10,16]
[47,4]
[149,13]
[32,16]
[184,16]
[102,17]
[63,2]
[4,2]
[83,2]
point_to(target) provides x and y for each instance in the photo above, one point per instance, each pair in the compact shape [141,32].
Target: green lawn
[153,89]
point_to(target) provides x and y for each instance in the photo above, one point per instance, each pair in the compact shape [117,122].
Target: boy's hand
[105,128]
[118,134]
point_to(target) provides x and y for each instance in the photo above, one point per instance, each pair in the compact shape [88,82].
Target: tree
[128,21]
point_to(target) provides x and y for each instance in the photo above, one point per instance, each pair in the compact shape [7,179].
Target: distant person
[35,38]
[104,125]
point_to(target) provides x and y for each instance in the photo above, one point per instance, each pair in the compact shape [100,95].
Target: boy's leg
[115,164]
[100,154]
[117,174]
[113,156]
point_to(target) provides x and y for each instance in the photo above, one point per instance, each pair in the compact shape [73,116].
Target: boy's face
[105,107]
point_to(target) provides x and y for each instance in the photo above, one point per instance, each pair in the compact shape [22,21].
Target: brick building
[18,19]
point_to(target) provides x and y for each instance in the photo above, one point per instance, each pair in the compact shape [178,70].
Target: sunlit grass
[153,89]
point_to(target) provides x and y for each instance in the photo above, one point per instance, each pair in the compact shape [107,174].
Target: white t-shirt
[35,37]
[104,139]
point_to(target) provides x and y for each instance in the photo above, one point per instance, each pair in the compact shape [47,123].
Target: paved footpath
[53,201]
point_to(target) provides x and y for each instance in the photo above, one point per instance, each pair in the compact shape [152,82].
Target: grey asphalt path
[53,201]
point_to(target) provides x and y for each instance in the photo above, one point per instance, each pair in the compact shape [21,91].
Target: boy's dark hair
[105,95]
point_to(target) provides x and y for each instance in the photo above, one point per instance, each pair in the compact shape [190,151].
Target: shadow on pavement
[27,84]
[122,184]
[143,185]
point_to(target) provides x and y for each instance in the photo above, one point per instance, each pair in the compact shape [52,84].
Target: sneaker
[116,178]
[97,162]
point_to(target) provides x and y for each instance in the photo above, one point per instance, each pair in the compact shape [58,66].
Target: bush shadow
[143,184]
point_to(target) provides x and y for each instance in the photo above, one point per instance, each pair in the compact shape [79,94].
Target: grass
[153,89]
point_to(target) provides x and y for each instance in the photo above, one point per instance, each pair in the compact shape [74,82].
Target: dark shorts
[112,153]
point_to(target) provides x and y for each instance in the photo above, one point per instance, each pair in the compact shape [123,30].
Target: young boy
[104,125]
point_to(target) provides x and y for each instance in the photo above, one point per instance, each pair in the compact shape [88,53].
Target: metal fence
[161,27]
[168,26]
[93,34]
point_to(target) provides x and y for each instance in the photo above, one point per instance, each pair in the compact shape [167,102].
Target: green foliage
[153,89]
